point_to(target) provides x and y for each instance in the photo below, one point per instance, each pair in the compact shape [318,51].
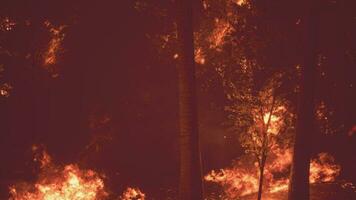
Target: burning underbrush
[68,182]
[243,177]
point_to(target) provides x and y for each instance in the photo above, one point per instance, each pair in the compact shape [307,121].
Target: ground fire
[238,181]
[68,182]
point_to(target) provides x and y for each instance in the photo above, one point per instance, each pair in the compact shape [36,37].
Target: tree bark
[260,184]
[190,185]
[299,177]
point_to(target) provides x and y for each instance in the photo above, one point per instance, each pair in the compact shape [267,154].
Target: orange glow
[7,24]
[199,57]
[323,169]
[133,194]
[239,181]
[55,44]
[5,90]
[59,183]
[241,2]
[175,56]
[222,29]
[236,181]
[41,156]
[275,121]
[67,183]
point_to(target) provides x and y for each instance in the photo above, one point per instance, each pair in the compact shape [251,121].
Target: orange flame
[54,47]
[222,29]
[239,181]
[199,57]
[133,194]
[65,183]
[69,183]
[236,182]
[323,169]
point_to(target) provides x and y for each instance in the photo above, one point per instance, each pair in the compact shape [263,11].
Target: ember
[133,194]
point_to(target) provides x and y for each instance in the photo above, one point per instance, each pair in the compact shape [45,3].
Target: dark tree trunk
[260,184]
[299,178]
[190,185]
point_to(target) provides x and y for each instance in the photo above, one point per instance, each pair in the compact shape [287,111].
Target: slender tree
[190,186]
[299,180]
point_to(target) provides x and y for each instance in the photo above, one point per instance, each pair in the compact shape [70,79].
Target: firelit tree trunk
[190,185]
[260,185]
[299,178]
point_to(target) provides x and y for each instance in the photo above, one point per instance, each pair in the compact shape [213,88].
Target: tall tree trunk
[190,185]
[260,184]
[299,178]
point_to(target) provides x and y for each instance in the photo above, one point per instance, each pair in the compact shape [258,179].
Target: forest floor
[321,191]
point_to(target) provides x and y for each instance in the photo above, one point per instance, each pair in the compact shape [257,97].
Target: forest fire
[69,182]
[239,181]
[56,182]
[178,100]
[323,169]
[222,29]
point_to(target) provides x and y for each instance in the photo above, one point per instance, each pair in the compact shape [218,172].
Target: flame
[275,121]
[54,47]
[133,194]
[59,183]
[239,180]
[41,156]
[65,183]
[199,57]
[241,2]
[68,183]
[236,182]
[323,169]
[222,29]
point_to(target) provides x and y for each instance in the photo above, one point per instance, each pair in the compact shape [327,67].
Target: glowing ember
[54,46]
[5,90]
[222,29]
[7,24]
[41,156]
[175,56]
[199,57]
[133,194]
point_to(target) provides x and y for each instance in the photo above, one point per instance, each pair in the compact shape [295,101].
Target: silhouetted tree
[299,181]
[190,186]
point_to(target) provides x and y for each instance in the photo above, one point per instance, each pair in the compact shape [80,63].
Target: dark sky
[108,67]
